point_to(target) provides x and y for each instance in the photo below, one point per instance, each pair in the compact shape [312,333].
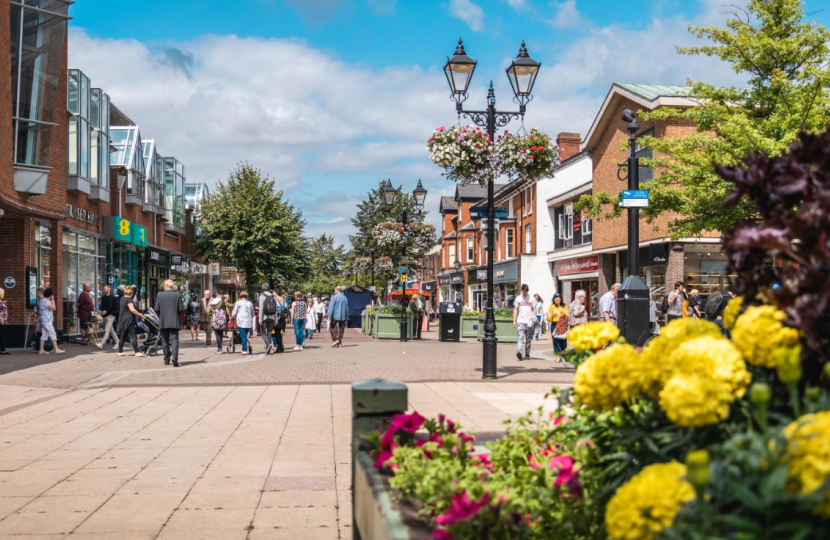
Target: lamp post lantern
[633,296]
[522,75]
[420,195]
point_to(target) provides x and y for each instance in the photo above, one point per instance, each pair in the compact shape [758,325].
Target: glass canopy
[154,184]
[128,154]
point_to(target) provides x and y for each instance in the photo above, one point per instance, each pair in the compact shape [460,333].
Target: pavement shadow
[505,372]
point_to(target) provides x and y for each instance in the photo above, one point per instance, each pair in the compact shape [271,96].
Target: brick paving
[93,446]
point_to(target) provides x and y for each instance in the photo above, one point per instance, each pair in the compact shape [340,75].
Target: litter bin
[449,326]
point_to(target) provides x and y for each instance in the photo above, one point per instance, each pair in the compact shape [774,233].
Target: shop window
[528,239]
[37,35]
[509,244]
[43,239]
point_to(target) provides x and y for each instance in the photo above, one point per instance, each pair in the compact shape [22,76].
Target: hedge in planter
[470,324]
[387,323]
[504,326]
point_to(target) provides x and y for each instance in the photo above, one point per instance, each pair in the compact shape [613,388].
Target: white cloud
[382,7]
[470,13]
[567,15]
[517,4]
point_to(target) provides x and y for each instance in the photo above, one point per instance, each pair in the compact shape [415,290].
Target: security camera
[629,116]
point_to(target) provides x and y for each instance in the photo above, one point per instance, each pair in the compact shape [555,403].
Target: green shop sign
[125,231]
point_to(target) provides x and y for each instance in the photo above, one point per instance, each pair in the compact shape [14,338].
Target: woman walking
[194,316]
[540,311]
[4,319]
[220,317]
[45,316]
[282,317]
[244,314]
[558,316]
[310,319]
[127,313]
[578,310]
[298,313]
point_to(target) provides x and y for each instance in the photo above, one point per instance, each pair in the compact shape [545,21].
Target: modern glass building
[154,183]
[129,154]
[174,180]
[38,31]
[88,138]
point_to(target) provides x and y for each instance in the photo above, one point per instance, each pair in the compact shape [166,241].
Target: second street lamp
[522,75]
[420,195]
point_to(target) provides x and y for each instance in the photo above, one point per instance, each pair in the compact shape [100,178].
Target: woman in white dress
[310,320]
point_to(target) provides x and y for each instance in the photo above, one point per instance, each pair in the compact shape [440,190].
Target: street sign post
[633,198]
[479,212]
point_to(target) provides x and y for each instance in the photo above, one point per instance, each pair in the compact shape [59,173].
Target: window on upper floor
[452,255]
[528,239]
[510,207]
[509,244]
[565,227]
[470,254]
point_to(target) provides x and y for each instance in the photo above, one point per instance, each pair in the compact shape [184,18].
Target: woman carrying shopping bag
[558,316]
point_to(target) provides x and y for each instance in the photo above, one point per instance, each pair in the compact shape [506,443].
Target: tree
[374,210]
[326,264]
[247,223]
[786,62]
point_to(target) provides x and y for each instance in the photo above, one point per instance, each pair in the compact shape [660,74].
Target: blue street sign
[633,198]
[478,212]
[635,194]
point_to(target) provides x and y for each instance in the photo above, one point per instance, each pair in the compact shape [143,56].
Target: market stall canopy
[397,293]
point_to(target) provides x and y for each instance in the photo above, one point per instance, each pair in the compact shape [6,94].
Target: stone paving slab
[247,462]
[359,358]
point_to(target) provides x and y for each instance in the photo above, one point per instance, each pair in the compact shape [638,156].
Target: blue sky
[329,96]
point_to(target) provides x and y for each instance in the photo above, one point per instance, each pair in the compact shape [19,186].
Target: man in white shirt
[524,317]
[319,310]
[608,304]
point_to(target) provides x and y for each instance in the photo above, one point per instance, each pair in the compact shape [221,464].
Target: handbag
[561,330]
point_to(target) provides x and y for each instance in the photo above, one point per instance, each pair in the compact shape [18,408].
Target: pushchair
[150,326]
[233,339]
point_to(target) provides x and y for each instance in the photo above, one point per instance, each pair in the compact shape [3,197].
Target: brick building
[69,211]
[698,262]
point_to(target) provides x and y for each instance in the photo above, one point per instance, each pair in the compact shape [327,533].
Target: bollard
[374,402]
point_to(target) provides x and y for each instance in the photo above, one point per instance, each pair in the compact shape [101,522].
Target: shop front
[505,283]
[654,265]
[580,273]
[184,282]
[158,270]
[457,287]
[126,255]
[477,287]
[430,287]
[444,288]
[84,255]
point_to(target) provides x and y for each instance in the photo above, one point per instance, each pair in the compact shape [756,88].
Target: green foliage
[503,313]
[390,310]
[247,223]
[374,210]
[326,263]
[786,61]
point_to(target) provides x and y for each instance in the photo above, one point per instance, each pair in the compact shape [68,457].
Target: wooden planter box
[469,327]
[389,326]
[505,332]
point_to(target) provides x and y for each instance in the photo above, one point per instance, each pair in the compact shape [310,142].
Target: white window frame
[509,239]
[528,239]
[510,207]
[586,226]
[452,254]
[470,253]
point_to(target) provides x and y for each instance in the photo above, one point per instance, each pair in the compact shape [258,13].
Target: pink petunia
[407,422]
[441,534]
[566,475]
[461,508]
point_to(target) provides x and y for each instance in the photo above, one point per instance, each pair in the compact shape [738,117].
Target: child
[310,321]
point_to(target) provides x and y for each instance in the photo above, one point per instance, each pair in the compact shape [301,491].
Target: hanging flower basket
[525,157]
[383,265]
[387,234]
[421,236]
[362,265]
[463,153]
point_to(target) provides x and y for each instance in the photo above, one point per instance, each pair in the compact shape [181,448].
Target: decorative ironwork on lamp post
[420,194]
[522,76]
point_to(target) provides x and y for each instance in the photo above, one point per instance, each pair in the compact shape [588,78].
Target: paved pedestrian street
[96,446]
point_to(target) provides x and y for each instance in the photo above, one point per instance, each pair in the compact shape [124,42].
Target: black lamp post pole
[633,213]
[403,279]
[489,341]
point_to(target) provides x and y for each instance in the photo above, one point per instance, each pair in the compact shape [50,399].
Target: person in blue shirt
[338,315]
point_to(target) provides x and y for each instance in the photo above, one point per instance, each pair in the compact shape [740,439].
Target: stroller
[150,326]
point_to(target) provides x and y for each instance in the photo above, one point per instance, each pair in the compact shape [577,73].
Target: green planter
[504,330]
[469,327]
[389,326]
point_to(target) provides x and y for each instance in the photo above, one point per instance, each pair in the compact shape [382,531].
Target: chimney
[568,144]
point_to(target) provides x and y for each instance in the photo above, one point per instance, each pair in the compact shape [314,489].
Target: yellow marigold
[592,336]
[674,333]
[731,312]
[808,453]
[710,357]
[609,377]
[759,331]
[647,504]
[692,400]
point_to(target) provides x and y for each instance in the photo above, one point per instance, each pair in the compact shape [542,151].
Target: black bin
[449,326]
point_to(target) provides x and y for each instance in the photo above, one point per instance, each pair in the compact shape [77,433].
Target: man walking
[338,315]
[205,319]
[267,316]
[675,301]
[168,306]
[319,310]
[608,305]
[524,318]
[108,308]
[416,306]
[85,308]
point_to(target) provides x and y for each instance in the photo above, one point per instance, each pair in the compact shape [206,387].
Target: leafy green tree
[247,223]
[374,210]
[326,263]
[785,59]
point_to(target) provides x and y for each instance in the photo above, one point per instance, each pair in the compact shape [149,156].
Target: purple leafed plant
[783,257]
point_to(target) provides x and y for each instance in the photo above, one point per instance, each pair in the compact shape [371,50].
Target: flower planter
[469,327]
[387,326]
[504,330]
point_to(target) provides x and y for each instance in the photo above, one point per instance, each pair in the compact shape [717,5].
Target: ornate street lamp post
[522,76]
[420,194]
